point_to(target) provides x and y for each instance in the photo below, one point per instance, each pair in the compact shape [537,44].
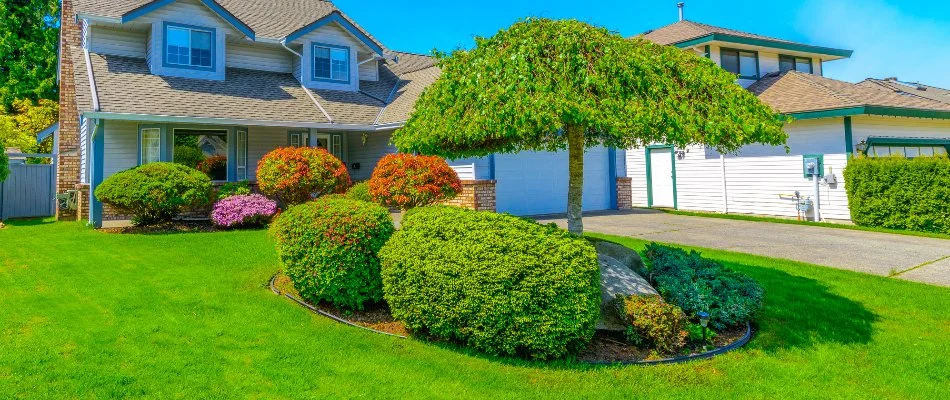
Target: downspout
[305,89]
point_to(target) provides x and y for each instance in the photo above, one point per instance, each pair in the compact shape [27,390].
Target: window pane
[204,150]
[151,145]
[880,151]
[747,65]
[911,152]
[178,45]
[786,64]
[926,151]
[201,48]
[241,155]
[294,140]
[895,150]
[940,150]
[340,63]
[803,65]
[730,61]
[321,62]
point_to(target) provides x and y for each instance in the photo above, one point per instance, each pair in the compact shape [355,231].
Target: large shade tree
[553,84]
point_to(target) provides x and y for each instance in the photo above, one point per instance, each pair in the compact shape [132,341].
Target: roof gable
[211,4]
[339,19]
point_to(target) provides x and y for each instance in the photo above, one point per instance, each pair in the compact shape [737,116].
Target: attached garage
[532,183]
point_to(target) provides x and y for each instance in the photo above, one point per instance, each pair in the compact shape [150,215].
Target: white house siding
[366,154]
[121,146]
[759,177]
[333,34]
[119,42]
[260,141]
[369,71]
[259,57]
[864,126]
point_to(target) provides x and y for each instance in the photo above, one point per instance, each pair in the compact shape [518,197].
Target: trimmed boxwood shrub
[900,193]
[493,282]
[651,321]
[329,250]
[405,181]
[155,192]
[295,175]
[359,191]
[699,284]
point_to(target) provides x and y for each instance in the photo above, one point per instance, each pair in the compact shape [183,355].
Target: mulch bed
[183,226]
[606,346]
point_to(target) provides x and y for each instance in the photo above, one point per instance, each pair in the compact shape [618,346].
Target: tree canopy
[553,84]
[29,38]
[20,128]
[4,163]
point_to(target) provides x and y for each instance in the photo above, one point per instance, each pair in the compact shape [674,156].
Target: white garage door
[531,183]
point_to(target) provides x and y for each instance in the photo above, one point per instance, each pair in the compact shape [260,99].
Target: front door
[662,177]
[331,143]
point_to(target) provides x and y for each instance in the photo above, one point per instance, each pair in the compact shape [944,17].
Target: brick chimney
[68,167]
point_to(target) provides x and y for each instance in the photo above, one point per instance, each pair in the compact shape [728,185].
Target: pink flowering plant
[243,211]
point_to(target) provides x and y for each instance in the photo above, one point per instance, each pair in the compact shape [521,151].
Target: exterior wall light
[862,147]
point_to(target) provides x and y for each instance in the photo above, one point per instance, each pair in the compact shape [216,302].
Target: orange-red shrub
[406,181]
[295,175]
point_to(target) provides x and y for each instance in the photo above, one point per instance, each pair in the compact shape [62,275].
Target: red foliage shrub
[295,175]
[406,181]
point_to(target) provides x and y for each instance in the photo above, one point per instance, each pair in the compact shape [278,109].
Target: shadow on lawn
[801,312]
[29,221]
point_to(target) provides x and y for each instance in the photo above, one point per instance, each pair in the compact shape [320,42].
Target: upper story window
[744,63]
[331,63]
[189,46]
[790,63]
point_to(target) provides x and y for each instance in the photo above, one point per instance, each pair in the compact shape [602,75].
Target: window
[800,64]
[241,161]
[203,149]
[298,138]
[189,47]
[331,63]
[744,63]
[150,143]
[907,147]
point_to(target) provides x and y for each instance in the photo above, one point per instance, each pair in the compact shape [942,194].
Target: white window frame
[148,142]
[240,159]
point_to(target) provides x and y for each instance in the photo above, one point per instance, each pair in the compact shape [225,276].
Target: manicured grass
[90,315]
[756,218]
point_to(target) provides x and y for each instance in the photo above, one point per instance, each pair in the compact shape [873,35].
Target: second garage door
[533,182]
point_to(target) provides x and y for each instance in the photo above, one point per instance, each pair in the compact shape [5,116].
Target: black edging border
[673,360]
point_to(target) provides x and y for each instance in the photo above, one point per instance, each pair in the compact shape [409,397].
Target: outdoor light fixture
[704,322]
[862,147]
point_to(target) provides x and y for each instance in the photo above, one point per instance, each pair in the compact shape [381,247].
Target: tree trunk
[575,189]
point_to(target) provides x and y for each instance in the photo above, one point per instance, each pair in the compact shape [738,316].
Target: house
[831,120]
[230,80]
[142,81]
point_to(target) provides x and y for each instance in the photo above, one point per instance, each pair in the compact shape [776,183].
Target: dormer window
[331,63]
[790,63]
[189,46]
[744,63]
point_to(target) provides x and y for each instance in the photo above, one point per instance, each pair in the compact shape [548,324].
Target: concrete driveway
[906,257]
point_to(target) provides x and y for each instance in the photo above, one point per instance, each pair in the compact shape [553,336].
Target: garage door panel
[531,183]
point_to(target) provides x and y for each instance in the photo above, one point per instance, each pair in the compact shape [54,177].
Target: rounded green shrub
[359,191]
[329,250]
[652,322]
[494,282]
[155,192]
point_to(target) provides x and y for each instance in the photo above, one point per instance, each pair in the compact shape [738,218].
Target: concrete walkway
[906,257]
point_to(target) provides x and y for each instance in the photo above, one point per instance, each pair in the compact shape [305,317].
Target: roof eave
[872,110]
[244,122]
[830,53]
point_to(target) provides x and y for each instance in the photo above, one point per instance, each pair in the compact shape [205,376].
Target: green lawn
[90,315]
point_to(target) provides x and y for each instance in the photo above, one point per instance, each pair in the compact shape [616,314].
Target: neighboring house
[831,119]
[239,78]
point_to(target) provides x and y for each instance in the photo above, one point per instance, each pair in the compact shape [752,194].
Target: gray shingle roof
[682,31]
[125,85]
[794,92]
[912,88]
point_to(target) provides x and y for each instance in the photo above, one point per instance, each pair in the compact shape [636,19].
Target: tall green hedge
[900,193]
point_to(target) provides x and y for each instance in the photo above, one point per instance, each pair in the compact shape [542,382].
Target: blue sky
[907,39]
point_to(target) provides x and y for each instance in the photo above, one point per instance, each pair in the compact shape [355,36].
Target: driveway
[906,257]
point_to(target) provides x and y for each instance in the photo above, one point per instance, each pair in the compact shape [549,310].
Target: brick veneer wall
[624,193]
[68,166]
[476,195]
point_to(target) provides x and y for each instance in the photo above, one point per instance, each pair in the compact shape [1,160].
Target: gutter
[233,121]
[305,89]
